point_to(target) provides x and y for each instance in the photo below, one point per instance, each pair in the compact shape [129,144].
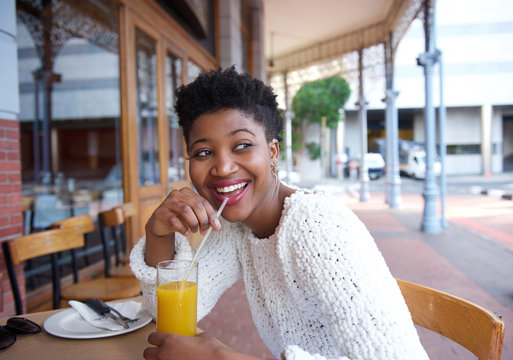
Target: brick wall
[10,202]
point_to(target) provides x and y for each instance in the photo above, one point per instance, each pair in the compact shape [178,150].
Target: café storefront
[97,82]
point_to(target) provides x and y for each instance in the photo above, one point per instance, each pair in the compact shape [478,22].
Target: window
[173,81]
[147,108]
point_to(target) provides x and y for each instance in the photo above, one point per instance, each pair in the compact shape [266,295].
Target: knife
[104,310]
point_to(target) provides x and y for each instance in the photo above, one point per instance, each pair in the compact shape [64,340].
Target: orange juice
[177,307]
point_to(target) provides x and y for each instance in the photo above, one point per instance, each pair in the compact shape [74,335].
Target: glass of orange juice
[176,297]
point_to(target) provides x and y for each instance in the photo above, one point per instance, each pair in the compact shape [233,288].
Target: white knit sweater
[318,288]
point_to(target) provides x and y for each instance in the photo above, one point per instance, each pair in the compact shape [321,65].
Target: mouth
[226,191]
[233,190]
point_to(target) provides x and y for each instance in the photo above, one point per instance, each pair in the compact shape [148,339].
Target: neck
[265,219]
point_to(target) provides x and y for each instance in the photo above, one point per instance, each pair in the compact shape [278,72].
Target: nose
[224,165]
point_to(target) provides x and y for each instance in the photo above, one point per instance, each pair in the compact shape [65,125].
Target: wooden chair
[112,230]
[475,328]
[51,242]
[85,225]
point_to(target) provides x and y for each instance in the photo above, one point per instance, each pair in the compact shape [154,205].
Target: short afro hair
[227,89]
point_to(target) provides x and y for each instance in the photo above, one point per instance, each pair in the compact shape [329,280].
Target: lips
[234,190]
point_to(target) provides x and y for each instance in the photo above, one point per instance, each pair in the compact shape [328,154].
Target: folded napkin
[127,308]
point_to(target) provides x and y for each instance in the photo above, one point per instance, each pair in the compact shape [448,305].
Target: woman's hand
[183,211]
[177,347]
[202,347]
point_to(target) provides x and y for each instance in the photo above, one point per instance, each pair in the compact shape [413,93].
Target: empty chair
[112,230]
[84,224]
[478,330]
[51,242]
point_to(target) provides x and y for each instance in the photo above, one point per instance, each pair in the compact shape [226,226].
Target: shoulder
[320,223]
[319,208]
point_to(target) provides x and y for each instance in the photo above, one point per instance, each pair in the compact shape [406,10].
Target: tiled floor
[471,259]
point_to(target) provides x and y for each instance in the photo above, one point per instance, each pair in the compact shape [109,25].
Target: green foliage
[314,150]
[321,98]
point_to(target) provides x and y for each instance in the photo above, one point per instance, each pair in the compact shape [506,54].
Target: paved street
[471,258]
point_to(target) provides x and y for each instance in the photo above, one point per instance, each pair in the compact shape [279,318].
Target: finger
[157,338]
[202,209]
[151,353]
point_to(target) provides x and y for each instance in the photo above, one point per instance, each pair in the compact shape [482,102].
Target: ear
[274,150]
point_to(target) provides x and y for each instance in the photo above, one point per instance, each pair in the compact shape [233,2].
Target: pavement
[471,258]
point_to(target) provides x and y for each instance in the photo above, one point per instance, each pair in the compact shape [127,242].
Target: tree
[317,100]
[321,98]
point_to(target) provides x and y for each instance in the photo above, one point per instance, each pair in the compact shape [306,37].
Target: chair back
[83,223]
[48,242]
[112,230]
[477,329]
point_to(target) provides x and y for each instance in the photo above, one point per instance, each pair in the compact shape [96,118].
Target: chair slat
[44,243]
[472,326]
[84,222]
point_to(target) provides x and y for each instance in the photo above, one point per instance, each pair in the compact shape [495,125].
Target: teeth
[231,188]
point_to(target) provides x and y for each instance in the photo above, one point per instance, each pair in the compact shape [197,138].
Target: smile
[231,188]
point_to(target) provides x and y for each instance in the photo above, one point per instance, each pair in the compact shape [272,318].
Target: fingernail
[217,224]
[187,233]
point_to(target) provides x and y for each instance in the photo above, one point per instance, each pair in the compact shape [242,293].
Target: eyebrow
[231,134]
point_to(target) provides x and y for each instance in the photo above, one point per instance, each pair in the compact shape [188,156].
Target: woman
[316,283]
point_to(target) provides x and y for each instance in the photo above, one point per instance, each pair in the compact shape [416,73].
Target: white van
[413,163]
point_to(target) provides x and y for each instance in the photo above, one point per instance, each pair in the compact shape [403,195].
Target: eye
[243,146]
[203,153]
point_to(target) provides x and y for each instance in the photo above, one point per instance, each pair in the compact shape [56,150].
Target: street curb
[478,190]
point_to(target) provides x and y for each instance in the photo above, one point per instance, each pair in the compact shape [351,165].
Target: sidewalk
[472,259]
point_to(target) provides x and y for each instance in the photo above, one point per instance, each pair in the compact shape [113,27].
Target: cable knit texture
[318,288]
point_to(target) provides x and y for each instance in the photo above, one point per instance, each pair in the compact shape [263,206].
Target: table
[44,346]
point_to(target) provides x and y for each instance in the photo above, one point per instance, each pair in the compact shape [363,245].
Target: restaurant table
[44,346]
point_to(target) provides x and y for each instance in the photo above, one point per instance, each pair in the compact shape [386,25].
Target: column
[486,139]
[393,180]
[430,219]
[362,116]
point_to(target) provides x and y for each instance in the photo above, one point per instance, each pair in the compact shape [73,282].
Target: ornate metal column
[362,116]
[288,129]
[393,180]
[430,220]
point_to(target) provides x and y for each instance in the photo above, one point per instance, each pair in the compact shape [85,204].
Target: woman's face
[230,157]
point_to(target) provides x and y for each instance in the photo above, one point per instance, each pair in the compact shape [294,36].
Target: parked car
[375,165]
[413,163]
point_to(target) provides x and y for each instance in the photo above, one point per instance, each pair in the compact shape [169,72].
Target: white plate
[69,324]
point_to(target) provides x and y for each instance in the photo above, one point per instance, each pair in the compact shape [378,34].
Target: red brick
[12,134]
[10,209]
[15,198]
[3,178]
[10,166]
[10,232]
[13,155]
[10,188]
[9,145]
[13,178]
[8,123]
[3,199]
[2,133]
[16,219]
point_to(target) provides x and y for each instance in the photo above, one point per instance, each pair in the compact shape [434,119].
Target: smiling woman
[316,283]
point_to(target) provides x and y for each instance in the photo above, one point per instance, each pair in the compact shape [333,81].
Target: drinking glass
[177,297]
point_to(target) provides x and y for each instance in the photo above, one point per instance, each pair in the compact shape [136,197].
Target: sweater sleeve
[218,267]
[334,257]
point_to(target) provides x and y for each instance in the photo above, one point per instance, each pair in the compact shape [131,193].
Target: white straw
[203,241]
